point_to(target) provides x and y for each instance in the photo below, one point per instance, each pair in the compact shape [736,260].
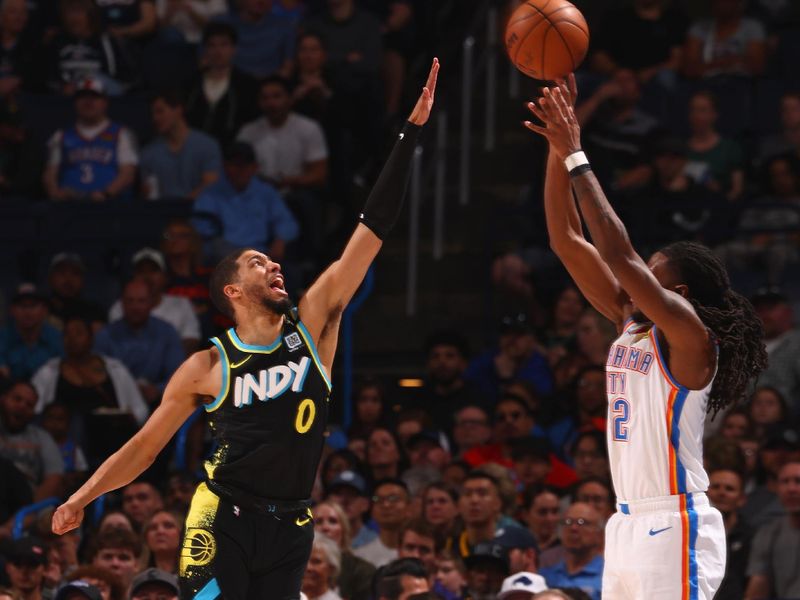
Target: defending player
[688,344]
[249,530]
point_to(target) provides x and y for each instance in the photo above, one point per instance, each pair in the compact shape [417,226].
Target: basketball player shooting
[249,530]
[688,344]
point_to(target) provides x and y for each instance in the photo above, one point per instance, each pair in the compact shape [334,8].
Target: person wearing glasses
[582,539]
[391,508]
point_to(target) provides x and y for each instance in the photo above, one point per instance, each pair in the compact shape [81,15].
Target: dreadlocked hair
[728,315]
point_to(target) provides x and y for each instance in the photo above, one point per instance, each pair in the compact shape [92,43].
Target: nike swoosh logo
[300,522]
[657,531]
[239,364]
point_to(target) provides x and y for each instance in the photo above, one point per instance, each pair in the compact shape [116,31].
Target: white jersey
[655,425]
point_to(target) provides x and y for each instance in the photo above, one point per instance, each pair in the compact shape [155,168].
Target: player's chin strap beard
[386,198]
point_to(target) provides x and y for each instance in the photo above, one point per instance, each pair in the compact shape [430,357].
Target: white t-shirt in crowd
[175,310]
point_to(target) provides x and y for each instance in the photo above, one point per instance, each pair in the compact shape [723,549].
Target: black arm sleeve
[386,198]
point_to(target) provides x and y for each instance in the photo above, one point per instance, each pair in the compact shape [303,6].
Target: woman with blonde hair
[322,571]
[355,574]
[162,535]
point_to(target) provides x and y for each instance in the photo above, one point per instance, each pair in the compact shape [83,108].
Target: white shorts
[670,548]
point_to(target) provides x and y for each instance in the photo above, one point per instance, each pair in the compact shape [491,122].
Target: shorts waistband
[663,503]
[254,503]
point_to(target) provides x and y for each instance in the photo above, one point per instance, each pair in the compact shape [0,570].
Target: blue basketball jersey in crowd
[89,165]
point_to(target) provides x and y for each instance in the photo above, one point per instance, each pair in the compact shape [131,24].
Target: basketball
[547,39]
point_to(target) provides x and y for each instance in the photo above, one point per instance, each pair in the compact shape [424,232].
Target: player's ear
[682,289]
[232,291]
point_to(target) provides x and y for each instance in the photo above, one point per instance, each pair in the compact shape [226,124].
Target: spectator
[221,97]
[140,501]
[588,411]
[67,279]
[162,538]
[560,334]
[79,590]
[370,408]
[251,212]
[391,502]
[180,489]
[266,42]
[96,158]
[104,580]
[401,579]
[349,490]
[312,94]
[590,455]
[471,428]
[783,345]
[543,514]
[727,44]
[187,277]
[618,132]
[445,391]
[440,508]
[185,20]
[154,582]
[356,573]
[319,580]
[26,559]
[487,568]
[736,424]
[29,447]
[181,162]
[18,50]
[148,346]
[645,36]
[384,454]
[84,382]
[515,358]
[788,139]
[119,551]
[449,580]
[28,341]
[418,540]
[520,547]
[594,336]
[83,50]
[726,494]
[530,458]
[130,22]
[56,419]
[719,159]
[763,501]
[149,265]
[335,463]
[115,519]
[480,506]
[425,449]
[521,585]
[582,538]
[597,492]
[772,566]
[767,408]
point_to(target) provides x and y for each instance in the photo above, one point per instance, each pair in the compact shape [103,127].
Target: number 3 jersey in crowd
[270,416]
[655,425]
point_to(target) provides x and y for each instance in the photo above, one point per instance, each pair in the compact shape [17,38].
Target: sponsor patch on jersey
[293,341]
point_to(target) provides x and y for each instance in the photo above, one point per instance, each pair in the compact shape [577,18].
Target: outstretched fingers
[432,77]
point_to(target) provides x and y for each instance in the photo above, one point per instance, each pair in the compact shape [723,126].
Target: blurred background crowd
[140,141]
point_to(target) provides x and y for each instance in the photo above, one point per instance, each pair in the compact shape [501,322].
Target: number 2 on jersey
[622,414]
[306,411]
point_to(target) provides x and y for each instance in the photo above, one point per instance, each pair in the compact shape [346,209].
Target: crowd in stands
[491,481]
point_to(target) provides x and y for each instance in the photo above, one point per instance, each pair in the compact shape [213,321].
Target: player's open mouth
[277,285]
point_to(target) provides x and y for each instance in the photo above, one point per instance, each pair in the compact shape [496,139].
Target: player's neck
[259,329]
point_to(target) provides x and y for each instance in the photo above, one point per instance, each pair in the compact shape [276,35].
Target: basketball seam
[521,42]
[546,17]
[566,45]
[563,41]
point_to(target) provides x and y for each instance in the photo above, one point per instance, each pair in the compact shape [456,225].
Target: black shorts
[238,554]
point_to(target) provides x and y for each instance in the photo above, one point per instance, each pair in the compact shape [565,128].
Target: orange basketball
[547,39]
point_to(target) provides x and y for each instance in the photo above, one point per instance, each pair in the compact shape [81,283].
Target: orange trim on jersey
[664,370]
[673,458]
[686,588]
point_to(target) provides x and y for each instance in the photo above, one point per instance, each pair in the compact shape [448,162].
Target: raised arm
[666,307]
[331,293]
[194,378]
[564,229]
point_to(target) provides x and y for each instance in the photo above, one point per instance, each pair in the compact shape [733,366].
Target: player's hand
[422,111]
[66,518]
[561,127]
[569,88]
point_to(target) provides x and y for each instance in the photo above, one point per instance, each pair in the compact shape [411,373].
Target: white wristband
[576,159]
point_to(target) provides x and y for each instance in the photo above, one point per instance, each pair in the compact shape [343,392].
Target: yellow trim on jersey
[226,377]
[313,348]
[240,345]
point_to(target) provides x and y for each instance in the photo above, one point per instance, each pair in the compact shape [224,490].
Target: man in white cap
[521,586]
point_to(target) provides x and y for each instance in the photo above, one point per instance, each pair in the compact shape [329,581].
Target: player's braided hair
[729,316]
